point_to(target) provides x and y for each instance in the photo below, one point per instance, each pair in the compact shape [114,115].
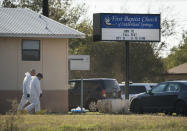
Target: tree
[9,4]
[145,64]
[108,60]
[167,31]
[62,11]
[105,60]
[178,54]
[86,27]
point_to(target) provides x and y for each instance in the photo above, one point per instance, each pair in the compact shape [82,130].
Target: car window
[173,87]
[92,85]
[159,88]
[71,84]
[183,87]
[134,89]
[110,85]
[77,85]
[185,83]
[137,89]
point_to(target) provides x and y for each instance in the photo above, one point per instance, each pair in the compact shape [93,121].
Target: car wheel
[92,106]
[137,108]
[180,108]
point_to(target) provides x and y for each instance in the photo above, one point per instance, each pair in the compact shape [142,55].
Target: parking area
[107,96]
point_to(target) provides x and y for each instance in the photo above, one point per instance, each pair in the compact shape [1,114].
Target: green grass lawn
[93,122]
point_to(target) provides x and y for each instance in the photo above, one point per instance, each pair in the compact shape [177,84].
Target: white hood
[27,74]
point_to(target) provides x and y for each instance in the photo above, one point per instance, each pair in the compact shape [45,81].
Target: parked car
[136,88]
[93,90]
[167,97]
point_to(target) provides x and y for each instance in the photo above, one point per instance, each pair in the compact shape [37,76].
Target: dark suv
[93,90]
[167,97]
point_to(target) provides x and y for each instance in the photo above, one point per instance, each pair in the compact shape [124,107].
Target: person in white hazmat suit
[35,93]
[26,88]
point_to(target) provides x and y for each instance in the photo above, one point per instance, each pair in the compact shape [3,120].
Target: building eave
[42,35]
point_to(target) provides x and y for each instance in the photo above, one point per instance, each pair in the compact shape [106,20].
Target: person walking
[35,93]
[26,88]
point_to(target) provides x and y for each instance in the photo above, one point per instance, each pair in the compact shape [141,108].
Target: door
[171,95]
[153,100]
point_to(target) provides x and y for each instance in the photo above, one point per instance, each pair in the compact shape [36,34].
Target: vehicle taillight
[104,93]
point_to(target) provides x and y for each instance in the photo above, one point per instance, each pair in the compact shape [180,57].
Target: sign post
[126,28]
[81,94]
[79,62]
[127,71]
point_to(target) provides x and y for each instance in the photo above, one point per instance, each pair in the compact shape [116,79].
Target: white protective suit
[26,90]
[35,92]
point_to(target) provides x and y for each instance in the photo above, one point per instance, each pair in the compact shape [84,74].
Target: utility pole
[45,10]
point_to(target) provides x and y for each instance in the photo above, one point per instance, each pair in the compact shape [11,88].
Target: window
[77,85]
[183,86]
[30,50]
[91,84]
[173,87]
[111,85]
[71,85]
[159,88]
[137,89]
